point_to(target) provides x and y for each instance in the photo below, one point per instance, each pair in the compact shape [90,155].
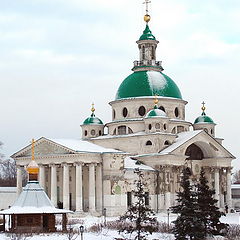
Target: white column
[229,192]
[79,186]
[216,185]
[42,179]
[92,205]
[65,186]
[54,184]
[19,180]
[99,187]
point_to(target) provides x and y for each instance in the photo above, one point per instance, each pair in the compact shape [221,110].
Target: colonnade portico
[52,183]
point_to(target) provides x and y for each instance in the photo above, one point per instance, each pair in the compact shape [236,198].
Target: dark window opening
[142,111]
[114,114]
[143,52]
[100,132]
[150,126]
[122,130]
[148,143]
[125,112]
[194,152]
[146,198]
[176,112]
[153,52]
[85,132]
[130,131]
[165,126]
[167,143]
[129,199]
[93,132]
[162,108]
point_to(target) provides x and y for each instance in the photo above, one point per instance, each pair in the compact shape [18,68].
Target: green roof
[93,120]
[147,34]
[148,83]
[156,113]
[203,119]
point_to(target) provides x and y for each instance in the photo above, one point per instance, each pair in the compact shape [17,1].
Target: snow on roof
[8,189]
[181,139]
[79,145]
[33,199]
[130,163]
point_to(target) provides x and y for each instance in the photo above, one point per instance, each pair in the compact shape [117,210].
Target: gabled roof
[185,137]
[72,146]
[33,199]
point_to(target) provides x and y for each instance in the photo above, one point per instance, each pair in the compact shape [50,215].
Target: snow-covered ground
[88,221]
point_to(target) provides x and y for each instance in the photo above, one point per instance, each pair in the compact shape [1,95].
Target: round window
[157,126]
[162,108]
[150,126]
[176,112]
[142,111]
[125,112]
[85,132]
[93,132]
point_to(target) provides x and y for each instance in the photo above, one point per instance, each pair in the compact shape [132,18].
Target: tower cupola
[33,168]
[204,122]
[92,126]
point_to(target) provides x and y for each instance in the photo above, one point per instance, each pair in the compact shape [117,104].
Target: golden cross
[203,106]
[33,142]
[147,4]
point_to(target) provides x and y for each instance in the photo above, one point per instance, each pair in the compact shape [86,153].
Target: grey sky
[58,56]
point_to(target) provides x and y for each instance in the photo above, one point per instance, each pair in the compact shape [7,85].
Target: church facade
[148,131]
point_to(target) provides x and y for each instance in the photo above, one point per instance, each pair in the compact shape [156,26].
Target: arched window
[143,52]
[176,112]
[162,108]
[153,52]
[165,126]
[100,132]
[122,130]
[114,114]
[167,143]
[180,129]
[130,130]
[157,126]
[115,131]
[149,126]
[93,132]
[194,152]
[148,143]
[85,132]
[174,130]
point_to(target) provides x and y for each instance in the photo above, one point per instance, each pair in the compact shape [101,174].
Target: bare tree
[236,177]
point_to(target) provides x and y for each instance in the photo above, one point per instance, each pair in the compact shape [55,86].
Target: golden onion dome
[33,168]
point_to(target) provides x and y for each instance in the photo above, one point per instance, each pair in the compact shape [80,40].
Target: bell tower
[147,45]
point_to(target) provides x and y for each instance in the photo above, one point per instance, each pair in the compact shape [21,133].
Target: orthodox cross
[147,4]
[203,106]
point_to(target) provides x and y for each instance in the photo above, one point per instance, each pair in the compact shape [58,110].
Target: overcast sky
[58,56]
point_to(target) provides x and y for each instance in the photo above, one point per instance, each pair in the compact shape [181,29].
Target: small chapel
[148,130]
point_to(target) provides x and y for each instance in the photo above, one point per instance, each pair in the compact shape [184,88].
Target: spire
[32,167]
[203,108]
[93,110]
[147,17]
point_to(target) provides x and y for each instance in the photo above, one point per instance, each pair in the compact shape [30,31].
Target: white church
[148,131]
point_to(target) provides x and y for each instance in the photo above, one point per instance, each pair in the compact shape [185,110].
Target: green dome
[155,113]
[148,83]
[93,120]
[203,119]
[147,34]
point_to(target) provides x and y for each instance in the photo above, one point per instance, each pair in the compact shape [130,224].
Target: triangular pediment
[209,145]
[43,147]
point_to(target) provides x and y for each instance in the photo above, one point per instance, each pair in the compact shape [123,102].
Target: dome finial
[147,17]
[203,108]
[32,167]
[156,101]
[93,110]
